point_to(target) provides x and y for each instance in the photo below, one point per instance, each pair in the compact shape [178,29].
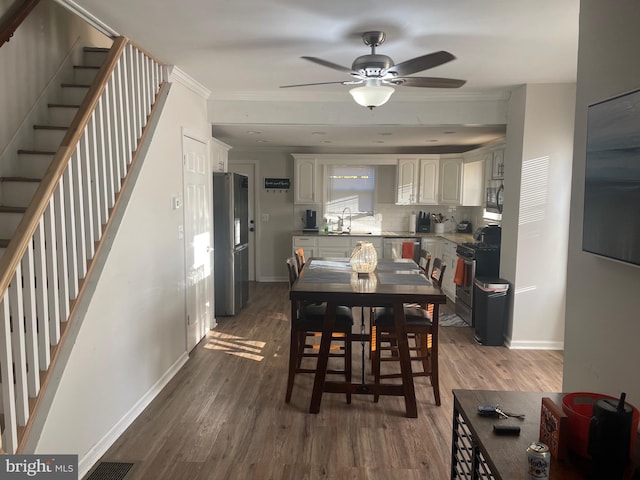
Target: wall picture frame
[497,165]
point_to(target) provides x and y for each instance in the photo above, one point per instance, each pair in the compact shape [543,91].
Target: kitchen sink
[349,233]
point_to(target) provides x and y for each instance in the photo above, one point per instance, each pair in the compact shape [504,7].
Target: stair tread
[4,242]
[95,49]
[49,127]
[62,105]
[10,209]
[35,152]
[74,85]
[19,179]
[86,67]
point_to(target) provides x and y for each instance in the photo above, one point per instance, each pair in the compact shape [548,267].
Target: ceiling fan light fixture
[371,96]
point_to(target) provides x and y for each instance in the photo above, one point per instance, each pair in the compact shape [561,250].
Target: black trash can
[490,310]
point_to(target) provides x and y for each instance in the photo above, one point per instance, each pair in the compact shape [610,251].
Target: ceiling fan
[378,74]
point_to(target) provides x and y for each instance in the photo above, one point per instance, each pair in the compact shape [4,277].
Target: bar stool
[422,326]
[307,322]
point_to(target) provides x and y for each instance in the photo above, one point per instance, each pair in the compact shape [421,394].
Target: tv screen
[611,226]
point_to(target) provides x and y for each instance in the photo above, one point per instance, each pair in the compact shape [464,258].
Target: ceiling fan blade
[429,82]
[326,63]
[419,64]
[323,83]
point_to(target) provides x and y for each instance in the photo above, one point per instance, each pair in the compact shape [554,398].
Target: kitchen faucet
[341,222]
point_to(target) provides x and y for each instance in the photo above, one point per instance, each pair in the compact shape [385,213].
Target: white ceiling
[244,50]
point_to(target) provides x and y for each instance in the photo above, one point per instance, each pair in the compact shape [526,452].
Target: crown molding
[177,75]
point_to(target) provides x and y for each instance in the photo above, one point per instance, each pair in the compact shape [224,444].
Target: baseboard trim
[98,450]
[533,345]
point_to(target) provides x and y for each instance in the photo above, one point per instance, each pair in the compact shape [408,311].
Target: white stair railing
[46,264]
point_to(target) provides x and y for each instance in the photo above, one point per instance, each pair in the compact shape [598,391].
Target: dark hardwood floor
[223,416]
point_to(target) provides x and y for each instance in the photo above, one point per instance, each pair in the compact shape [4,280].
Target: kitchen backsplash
[395,218]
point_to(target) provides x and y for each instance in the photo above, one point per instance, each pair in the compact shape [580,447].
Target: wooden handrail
[27,226]
[14,17]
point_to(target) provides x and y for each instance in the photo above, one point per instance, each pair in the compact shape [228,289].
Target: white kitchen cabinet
[334,246]
[219,155]
[473,184]
[337,246]
[450,259]
[497,164]
[308,244]
[417,181]
[305,180]
[431,245]
[407,177]
[376,241]
[429,180]
[451,181]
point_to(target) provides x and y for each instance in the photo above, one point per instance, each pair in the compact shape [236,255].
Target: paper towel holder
[412,223]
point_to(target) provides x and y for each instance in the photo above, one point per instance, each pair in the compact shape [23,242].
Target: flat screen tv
[611,226]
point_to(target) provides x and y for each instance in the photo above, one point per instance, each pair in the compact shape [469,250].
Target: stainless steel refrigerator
[231,247]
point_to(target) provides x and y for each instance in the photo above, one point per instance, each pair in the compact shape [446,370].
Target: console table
[478,453]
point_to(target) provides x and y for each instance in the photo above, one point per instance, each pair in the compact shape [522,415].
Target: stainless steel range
[481,259]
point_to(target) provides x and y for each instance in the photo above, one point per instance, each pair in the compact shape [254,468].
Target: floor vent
[111,471]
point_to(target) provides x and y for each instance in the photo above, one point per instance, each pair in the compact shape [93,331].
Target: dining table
[394,282]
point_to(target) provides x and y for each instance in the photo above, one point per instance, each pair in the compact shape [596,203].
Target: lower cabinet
[450,259]
[333,246]
[307,243]
[444,249]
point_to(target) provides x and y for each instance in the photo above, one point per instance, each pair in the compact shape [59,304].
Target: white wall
[134,334]
[33,55]
[602,321]
[536,216]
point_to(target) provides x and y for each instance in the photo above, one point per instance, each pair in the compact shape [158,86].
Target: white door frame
[186,133]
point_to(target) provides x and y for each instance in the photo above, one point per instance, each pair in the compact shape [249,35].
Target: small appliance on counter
[464,227]
[310,225]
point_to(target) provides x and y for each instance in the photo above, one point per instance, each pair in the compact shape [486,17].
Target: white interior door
[198,238]
[248,169]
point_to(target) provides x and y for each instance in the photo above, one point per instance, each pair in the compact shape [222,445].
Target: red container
[579,408]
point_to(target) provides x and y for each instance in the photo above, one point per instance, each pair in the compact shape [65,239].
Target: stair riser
[32,166]
[73,95]
[84,76]
[17,194]
[94,58]
[61,116]
[8,223]
[48,140]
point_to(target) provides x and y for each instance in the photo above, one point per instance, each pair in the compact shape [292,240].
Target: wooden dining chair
[306,324]
[422,328]
[424,261]
[299,255]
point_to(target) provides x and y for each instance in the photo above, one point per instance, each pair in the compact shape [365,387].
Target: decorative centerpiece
[364,259]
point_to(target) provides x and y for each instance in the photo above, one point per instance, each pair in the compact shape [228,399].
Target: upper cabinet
[417,181]
[305,178]
[451,181]
[473,184]
[407,181]
[428,189]
[219,155]
[497,165]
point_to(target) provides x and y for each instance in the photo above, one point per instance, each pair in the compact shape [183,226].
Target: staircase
[20,183]
[58,194]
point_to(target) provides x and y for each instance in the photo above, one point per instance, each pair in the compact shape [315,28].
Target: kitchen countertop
[451,236]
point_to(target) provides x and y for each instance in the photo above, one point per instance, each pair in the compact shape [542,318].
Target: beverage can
[538,461]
